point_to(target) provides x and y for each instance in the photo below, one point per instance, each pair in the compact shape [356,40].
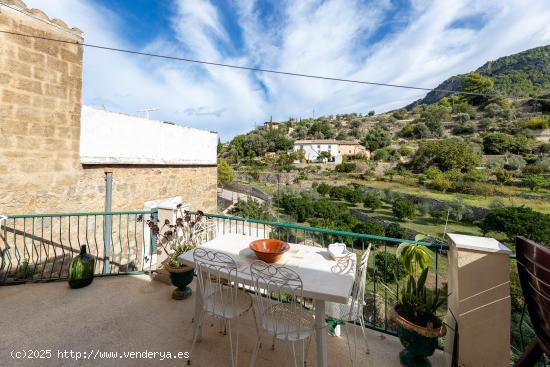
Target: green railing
[382,287]
[40,247]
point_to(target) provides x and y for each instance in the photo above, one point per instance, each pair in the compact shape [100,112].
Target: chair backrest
[216,272]
[533,261]
[358,291]
[204,230]
[279,299]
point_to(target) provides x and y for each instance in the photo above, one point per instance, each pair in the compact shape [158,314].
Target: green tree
[345,167]
[476,84]
[503,176]
[446,154]
[251,208]
[372,202]
[402,209]
[225,172]
[377,138]
[434,115]
[518,221]
[535,182]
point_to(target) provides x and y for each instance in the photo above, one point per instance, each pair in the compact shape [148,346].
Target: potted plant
[175,239]
[418,325]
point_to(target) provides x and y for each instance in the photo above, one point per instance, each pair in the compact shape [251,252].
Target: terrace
[124,310]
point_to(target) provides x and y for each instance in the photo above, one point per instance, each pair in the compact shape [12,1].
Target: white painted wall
[115,138]
[312,151]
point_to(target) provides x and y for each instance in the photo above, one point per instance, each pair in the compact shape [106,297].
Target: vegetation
[225,172]
[446,154]
[402,208]
[251,208]
[515,221]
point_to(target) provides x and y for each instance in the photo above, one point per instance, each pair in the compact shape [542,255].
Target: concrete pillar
[479,299]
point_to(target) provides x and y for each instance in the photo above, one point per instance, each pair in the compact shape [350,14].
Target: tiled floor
[132,314]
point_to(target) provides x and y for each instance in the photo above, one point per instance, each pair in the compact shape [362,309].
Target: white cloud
[314,37]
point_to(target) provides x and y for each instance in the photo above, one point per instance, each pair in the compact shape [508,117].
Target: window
[318,147]
[329,147]
[350,151]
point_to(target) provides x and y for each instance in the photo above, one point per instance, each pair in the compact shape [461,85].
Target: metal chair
[533,261]
[219,295]
[204,230]
[279,308]
[353,310]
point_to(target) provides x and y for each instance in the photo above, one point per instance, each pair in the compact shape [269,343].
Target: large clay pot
[419,342]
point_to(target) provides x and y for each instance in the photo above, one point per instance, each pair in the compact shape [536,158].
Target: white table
[323,278]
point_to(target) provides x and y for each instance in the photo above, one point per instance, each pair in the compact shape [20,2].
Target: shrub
[496,143]
[381,155]
[323,188]
[503,176]
[377,138]
[474,188]
[534,182]
[476,175]
[438,214]
[339,192]
[372,202]
[400,114]
[345,167]
[432,172]
[434,115]
[368,227]
[514,163]
[458,210]
[536,123]
[421,131]
[354,196]
[394,230]
[389,267]
[407,131]
[251,209]
[518,221]
[487,124]
[371,113]
[493,110]
[403,208]
[441,183]
[405,151]
[463,129]
[463,118]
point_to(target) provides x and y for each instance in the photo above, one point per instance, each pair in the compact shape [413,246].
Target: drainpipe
[107,219]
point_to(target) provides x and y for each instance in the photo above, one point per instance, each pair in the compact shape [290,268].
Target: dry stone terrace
[134,314]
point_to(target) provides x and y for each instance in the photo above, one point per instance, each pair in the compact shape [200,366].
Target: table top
[323,277]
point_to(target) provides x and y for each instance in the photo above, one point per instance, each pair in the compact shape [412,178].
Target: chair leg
[293,351]
[363,329]
[198,326]
[533,353]
[255,352]
[344,328]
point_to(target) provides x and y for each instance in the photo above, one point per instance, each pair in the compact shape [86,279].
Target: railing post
[107,220]
[479,302]
[153,238]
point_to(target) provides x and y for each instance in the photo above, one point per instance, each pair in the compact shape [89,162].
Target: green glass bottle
[81,269]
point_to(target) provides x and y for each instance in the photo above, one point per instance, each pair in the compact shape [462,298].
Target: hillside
[523,74]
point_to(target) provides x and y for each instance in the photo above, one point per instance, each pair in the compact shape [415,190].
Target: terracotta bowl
[269,250]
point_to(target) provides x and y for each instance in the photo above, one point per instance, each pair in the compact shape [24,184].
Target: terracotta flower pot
[419,342]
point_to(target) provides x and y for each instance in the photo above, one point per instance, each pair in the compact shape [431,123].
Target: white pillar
[479,299]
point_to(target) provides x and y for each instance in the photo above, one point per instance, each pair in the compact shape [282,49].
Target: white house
[313,149]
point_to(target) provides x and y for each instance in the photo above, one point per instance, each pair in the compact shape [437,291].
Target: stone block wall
[40,114]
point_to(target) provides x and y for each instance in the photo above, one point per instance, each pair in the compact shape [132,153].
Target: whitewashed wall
[312,150]
[115,138]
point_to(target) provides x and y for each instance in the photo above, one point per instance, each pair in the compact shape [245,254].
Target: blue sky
[418,42]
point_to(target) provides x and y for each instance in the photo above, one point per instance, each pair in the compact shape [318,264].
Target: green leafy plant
[417,303]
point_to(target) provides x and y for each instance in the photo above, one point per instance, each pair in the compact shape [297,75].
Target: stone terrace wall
[40,111]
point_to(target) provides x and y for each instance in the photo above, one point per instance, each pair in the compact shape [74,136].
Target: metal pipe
[108,219]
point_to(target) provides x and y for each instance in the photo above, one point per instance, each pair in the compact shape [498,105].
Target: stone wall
[40,114]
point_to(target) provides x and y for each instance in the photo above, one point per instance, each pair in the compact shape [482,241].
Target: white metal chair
[353,310]
[279,308]
[219,295]
[204,230]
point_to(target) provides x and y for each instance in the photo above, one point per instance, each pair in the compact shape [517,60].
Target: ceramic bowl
[269,250]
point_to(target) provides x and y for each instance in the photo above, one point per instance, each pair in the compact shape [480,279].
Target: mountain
[523,74]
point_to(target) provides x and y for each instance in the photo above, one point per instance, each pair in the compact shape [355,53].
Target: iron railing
[382,285]
[40,247]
